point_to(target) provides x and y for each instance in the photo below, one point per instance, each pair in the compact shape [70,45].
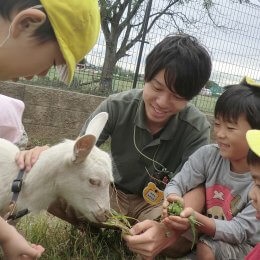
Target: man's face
[231,138]
[255,192]
[160,102]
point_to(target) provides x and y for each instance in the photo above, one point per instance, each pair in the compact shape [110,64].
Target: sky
[234,45]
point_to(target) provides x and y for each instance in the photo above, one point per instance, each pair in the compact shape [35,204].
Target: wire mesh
[230,31]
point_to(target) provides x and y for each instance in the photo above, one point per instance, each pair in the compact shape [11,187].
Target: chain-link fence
[229,30]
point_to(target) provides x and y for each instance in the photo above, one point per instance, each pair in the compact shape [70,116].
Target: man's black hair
[187,64]
[252,158]
[7,7]
[239,100]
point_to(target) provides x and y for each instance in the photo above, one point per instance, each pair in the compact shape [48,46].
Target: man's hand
[26,159]
[149,238]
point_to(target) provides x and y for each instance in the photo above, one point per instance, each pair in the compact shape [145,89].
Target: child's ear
[27,21]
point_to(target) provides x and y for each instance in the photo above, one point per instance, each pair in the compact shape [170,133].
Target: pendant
[152,194]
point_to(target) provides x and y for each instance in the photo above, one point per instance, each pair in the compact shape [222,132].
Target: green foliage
[63,241]
[119,221]
[175,208]
[124,73]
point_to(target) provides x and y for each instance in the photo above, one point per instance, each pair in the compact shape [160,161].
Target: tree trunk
[105,86]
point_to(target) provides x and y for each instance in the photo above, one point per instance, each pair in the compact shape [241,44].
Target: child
[11,127]
[253,159]
[229,228]
[34,35]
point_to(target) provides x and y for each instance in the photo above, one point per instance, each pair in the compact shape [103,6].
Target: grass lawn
[62,241]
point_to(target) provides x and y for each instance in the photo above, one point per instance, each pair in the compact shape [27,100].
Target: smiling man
[153,132]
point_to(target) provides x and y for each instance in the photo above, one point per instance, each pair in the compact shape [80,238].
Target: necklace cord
[164,169]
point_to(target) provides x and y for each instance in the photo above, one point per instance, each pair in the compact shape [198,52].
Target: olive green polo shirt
[137,155]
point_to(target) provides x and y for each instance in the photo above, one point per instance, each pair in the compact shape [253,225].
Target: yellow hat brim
[250,82]
[76,24]
[253,140]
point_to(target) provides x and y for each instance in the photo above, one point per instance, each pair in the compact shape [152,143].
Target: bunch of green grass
[175,208]
[117,220]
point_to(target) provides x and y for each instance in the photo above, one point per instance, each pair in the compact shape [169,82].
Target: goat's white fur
[77,171]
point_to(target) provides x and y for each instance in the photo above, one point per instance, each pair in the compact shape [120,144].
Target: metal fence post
[146,19]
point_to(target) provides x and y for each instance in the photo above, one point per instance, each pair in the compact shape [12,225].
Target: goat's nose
[102,215]
[107,214]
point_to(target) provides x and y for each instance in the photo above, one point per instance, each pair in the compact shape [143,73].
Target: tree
[209,84]
[122,25]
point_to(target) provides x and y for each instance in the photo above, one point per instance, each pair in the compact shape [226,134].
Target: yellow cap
[250,82]
[76,24]
[253,140]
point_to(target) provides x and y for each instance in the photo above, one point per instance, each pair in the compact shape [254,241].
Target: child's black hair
[7,7]
[186,62]
[252,158]
[239,100]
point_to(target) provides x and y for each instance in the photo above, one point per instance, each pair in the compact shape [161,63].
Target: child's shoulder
[209,149]
[208,153]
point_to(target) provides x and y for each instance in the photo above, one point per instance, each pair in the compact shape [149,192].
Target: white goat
[77,171]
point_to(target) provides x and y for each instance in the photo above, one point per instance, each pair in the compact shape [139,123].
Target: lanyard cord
[164,169]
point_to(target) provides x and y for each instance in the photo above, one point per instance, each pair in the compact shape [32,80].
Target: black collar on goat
[16,188]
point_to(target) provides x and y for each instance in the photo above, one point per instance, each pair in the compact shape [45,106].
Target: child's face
[255,192]
[231,138]
[23,55]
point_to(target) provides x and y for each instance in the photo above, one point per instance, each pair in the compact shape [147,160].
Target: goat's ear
[83,147]
[97,124]
[84,144]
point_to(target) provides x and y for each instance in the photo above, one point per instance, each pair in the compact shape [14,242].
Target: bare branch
[132,13]
[123,19]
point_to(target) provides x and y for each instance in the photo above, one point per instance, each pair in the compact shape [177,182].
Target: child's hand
[182,222]
[15,247]
[177,223]
[187,212]
[171,198]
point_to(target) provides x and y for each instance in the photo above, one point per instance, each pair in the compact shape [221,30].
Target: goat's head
[89,192]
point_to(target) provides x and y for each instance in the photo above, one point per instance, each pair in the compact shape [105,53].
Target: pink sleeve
[254,254]
[11,112]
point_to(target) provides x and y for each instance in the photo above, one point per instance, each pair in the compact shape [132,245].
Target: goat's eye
[95,182]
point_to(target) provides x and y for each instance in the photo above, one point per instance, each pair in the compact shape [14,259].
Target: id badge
[152,194]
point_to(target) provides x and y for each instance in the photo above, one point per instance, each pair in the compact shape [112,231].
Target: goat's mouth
[100,218]
[99,215]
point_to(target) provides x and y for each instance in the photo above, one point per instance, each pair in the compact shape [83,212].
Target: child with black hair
[34,36]
[253,160]
[37,34]
[230,228]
